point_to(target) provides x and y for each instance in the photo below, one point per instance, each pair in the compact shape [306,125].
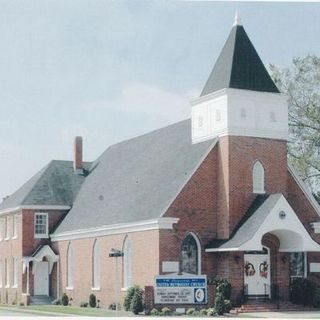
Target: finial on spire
[237,19]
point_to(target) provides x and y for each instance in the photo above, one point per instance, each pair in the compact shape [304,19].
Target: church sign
[180,289]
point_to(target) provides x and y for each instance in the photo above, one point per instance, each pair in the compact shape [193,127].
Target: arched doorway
[257,273]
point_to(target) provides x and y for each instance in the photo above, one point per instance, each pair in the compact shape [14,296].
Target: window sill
[259,192]
[15,237]
[69,288]
[95,289]
[15,286]
[7,286]
[6,239]
[124,289]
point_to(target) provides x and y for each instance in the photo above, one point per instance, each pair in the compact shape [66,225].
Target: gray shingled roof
[55,184]
[239,66]
[250,224]
[136,179]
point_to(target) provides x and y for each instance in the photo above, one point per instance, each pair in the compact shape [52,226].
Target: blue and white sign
[180,289]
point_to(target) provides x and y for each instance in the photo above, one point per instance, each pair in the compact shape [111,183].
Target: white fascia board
[34,207]
[222,249]
[215,140]
[145,225]
[304,189]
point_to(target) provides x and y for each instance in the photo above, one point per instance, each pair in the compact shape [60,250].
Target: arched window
[70,266]
[96,266]
[191,255]
[258,178]
[127,263]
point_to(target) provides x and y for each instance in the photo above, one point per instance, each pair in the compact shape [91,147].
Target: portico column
[28,277]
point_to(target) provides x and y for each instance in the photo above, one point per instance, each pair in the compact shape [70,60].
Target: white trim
[33,207]
[304,188]
[95,289]
[190,175]
[144,225]
[69,288]
[221,250]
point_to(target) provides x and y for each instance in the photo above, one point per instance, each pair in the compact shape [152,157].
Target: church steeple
[239,98]
[239,65]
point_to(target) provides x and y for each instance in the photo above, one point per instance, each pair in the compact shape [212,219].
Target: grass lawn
[89,312]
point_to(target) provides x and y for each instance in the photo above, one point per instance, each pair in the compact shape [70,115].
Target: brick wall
[145,255]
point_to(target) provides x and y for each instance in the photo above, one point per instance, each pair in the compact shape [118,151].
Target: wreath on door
[249,269]
[263,268]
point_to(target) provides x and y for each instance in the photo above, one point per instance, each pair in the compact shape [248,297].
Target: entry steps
[40,300]
[267,306]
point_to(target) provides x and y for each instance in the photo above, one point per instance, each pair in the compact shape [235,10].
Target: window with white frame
[7,228]
[96,266]
[258,178]
[15,226]
[127,263]
[298,264]
[41,225]
[14,272]
[7,273]
[70,267]
[191,254]
[1,228]
[1,274]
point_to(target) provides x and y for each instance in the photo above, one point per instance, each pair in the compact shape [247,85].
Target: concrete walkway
[282,315]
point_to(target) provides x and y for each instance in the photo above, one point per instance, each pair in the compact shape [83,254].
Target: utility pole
[115,253]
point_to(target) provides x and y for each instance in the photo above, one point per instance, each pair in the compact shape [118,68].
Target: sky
[112,70]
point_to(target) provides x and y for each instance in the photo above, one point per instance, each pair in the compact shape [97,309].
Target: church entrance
[257,273]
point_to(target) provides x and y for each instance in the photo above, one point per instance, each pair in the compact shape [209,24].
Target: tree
[301,83]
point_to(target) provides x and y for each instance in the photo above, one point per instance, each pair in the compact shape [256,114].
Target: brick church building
[210,195]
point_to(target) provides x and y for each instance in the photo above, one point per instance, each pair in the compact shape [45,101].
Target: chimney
[77,160]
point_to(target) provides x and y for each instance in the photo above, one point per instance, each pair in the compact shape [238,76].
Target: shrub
[302,291]
[136,305]
[219,304]
[128,298]
[316,298]
[166,311]
[203,312]
[112,306]
[65,299]
[190,311]
[227,306]
[154,312]
[84,304]
[92,300]
[211,312]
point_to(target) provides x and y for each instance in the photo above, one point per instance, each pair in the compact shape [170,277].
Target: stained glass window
[190,255]
[297,264]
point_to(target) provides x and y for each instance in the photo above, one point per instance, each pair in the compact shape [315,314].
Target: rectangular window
[41,225]
[15,226]
[1,228]
[1,274]
[298,265]
[14,272]
[7,228]
[7,273]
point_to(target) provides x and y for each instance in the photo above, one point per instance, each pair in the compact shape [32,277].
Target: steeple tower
[239,97]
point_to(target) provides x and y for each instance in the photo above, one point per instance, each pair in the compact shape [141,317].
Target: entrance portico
[39,266]
[267,238]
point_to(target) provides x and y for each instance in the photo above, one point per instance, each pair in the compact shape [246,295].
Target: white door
[257,273]
[41,278]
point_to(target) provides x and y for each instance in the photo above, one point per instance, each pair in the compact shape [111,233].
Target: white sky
[110,70]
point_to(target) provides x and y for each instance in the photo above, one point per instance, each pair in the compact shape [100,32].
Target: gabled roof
[136,179]
[239,66]
[55,184]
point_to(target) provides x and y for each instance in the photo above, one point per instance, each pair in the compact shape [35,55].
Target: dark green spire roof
[239,66]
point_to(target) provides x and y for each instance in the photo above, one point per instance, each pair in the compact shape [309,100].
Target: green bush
[128,298]
[227,306]
[191,311]
[136,305]
[65,299]
[219,304]
[203,312]
[302,291]
[211,312]
[84,304]
[92,300]
[166,311]
[154,312]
